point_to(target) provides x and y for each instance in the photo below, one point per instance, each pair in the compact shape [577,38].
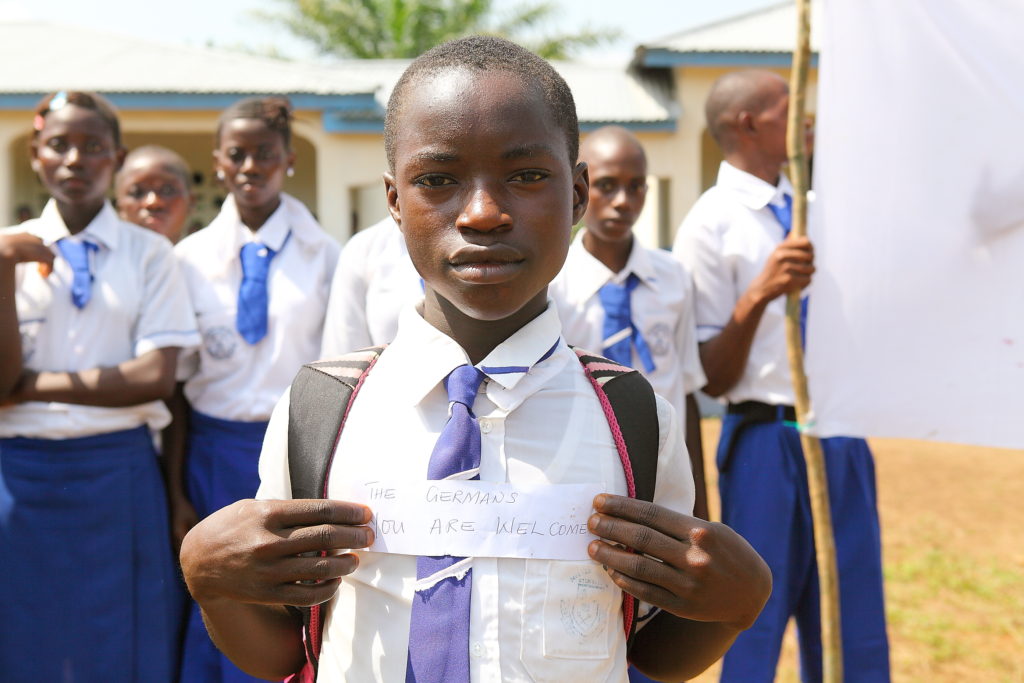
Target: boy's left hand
[707,572]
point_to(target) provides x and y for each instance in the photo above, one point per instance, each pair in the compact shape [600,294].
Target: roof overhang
[661,58]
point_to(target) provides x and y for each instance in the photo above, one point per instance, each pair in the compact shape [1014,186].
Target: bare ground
[953,548]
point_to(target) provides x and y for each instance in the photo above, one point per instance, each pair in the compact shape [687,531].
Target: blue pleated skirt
[88,586]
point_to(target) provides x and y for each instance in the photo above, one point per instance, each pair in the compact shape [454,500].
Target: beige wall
[339,176]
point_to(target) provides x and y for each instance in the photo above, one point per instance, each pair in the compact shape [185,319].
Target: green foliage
[381,29]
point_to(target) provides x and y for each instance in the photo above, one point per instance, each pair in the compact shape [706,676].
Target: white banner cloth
[916,325]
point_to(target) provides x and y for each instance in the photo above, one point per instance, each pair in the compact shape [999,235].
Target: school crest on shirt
[584,615]
[220,342]
[659,337]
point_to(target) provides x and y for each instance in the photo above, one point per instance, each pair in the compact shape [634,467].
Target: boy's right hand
[789,269]
[250,551]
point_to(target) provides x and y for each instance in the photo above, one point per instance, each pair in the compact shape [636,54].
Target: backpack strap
[632,413]
[321,398]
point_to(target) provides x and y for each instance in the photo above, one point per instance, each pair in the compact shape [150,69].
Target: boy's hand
[250,551]
[707,572]
[789,269]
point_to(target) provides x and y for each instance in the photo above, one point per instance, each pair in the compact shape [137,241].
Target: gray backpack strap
[631,409]
[321,397]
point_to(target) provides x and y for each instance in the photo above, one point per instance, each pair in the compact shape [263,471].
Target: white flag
[916,325]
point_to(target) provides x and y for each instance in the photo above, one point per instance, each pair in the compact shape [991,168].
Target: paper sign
[479,519]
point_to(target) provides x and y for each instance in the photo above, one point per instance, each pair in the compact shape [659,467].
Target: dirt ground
[953,552]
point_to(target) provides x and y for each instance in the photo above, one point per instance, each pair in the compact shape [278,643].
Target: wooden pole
[824,540]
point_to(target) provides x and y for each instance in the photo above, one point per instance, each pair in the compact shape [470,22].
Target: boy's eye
[236,155]
[94,147]
[434,180]
[530,176]
[57,144]
[168,190]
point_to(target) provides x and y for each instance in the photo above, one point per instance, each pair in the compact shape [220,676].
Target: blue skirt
[89,589]
[221,468]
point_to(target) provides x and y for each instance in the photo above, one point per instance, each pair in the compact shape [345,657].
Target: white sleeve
[345,325]
[699,247]
[275,476]
[674,488]
[686,340]
[166,317]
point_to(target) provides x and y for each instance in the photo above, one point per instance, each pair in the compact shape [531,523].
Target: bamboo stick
[824,540]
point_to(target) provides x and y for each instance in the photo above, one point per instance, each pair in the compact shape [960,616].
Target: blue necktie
[439,630]
[77,256]
[620,334]
[251,319]
[784,214]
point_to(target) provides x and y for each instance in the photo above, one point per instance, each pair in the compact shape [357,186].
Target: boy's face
[618,188]
[484,192]
[150,195]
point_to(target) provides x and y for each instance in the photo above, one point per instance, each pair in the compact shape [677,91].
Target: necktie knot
[462,385]
[256,259]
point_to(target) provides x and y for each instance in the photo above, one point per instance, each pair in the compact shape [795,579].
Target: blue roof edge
[134,101]
[663,58]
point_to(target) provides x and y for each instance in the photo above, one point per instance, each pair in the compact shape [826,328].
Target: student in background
[481,138]
[258,276]
[737,244]
[153,189]
[93,313]
[628,303]
[374,281]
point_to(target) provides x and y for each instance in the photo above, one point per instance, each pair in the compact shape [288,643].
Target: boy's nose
[73,156]
[482,212]
[248,163]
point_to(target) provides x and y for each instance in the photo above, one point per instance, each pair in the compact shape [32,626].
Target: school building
[171,95]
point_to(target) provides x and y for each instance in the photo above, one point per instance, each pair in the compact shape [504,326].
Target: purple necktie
[439,630]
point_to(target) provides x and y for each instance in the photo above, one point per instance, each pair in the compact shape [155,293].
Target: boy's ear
[580,191]
[391,191]
[121,154]
[33,155]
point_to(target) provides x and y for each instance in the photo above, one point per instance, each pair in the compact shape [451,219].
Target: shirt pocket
[221,341]
[570,619]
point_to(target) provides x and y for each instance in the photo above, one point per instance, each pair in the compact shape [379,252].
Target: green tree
[379,29]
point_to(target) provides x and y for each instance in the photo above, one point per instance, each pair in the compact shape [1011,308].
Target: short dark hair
[80,98]
[167,159]
[487,53]
[274,111]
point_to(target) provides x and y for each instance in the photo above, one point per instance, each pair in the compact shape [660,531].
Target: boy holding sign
[482,144]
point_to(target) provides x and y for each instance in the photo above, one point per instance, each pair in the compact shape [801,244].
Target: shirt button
[485,426]
[478,650]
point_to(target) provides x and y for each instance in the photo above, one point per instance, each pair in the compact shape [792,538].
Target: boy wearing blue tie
[631,304]
[482,141]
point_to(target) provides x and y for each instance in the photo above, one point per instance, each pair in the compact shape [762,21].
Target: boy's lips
[486,265]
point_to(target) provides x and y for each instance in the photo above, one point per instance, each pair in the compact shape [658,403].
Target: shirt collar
[417,340]
[286,219]
[102,230]
[753,192]
[585,274]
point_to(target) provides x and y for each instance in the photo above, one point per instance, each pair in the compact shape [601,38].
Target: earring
[290,172]
[220,175]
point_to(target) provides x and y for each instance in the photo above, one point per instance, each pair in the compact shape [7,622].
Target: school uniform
[374,281]
[89,588]
[544,426]
[232,382]
[725,241]
[662,312]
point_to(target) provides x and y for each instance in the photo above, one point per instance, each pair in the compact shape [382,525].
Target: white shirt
[662,308]
[138,304]
[725,241]
[227,377]
[374,281]
[544,427]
